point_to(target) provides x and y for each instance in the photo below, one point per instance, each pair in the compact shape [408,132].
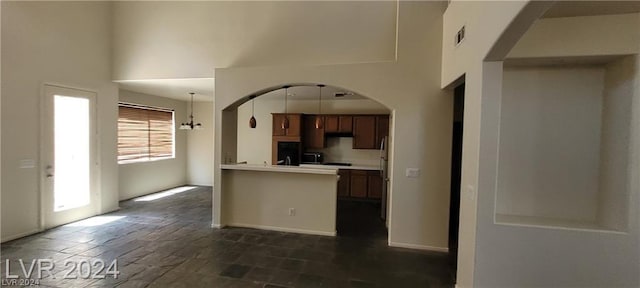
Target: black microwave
[312,158]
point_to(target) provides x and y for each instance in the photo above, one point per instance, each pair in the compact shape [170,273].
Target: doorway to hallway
[456,174]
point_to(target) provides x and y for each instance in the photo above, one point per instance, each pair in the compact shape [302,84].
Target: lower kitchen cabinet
[344,185]
[374,183]
[358,184]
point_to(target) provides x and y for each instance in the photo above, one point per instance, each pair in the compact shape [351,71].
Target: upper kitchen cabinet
[295,125]
[339,124]
[369,130]
[382,128]
[364,132]
[313,137]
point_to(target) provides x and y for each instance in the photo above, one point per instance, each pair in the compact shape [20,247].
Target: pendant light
[285,121]
[190,125]
[319,116]
[252,121]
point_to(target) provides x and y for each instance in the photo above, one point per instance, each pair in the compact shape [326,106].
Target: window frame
[148,158]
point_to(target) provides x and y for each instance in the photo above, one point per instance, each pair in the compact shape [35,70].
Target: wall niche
[566,144]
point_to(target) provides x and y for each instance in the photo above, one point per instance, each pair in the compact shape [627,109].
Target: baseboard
[283,229]
[418,247]
[216,226]
[14,237]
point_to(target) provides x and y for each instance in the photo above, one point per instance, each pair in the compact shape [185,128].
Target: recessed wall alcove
[566,132]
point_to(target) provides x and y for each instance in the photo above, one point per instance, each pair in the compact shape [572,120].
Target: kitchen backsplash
[339,149]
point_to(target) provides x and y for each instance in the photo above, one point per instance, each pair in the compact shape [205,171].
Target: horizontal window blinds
[144,134]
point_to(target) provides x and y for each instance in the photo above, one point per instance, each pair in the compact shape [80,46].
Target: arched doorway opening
[354,138]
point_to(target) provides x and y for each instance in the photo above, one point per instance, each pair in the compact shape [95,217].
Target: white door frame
[46,113]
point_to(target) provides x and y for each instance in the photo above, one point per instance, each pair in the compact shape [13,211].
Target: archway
[362,164]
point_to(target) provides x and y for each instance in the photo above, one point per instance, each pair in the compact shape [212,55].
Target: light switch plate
[471,192]
[413,172]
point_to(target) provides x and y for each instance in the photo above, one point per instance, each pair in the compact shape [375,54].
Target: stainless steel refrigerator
[384,173]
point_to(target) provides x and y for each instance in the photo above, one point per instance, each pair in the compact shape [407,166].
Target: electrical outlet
[292,211]
[413,172]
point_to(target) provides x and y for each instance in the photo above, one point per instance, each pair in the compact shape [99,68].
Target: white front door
[68,155]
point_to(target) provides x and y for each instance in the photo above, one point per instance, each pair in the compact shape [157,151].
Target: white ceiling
[173,88]
[311,93]
[591,8]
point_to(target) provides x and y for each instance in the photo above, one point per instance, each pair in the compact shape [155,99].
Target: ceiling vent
[342,94]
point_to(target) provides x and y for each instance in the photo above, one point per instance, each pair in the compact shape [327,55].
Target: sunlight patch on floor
[165,193]
[95,221]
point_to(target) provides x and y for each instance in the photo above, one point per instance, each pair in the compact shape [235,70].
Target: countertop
[314,169]
[352,167]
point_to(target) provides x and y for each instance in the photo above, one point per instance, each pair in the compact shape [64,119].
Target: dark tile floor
[168,242]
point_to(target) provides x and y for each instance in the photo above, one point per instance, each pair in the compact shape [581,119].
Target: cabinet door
[313,138]
[346,124]
[277,125]
[364,132]
[382,128]
[374,189]
[331,124]
[358,184]
[344,185]
[294,125]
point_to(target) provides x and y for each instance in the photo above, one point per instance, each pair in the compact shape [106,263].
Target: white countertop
[314,169]
[352,167]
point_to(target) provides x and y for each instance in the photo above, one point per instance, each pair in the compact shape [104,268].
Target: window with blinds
[144,133]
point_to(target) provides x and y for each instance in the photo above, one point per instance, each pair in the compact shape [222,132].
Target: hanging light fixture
[319,117]
[252,120]
[190,125]
[285,120]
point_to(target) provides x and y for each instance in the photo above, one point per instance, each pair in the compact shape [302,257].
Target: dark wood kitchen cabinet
[358,184]
[382,128]
[344,185]
[313,138]
[338,124]
[331,123]
[374,185]
[295,122]
[369,130]
[364,132]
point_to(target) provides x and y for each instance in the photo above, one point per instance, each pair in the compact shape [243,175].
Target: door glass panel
[72,152]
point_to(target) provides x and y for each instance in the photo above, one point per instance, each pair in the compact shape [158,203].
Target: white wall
[552,257]
[422,119]
[33,54]
[486,22]
[550,142]
[254,145]
[200,146]
[142,178]
[557,37]
[181,39]
[260,199]
[617,115]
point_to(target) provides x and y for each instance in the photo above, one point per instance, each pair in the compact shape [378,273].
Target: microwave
[312,158]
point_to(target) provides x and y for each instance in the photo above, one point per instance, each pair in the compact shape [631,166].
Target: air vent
[459,36]
[342,94]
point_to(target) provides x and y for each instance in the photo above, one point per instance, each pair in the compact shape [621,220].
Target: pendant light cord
[320,100]
[286,92]
[191,115]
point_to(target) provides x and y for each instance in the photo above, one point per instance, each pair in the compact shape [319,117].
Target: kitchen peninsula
[281,198]
[291,174]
